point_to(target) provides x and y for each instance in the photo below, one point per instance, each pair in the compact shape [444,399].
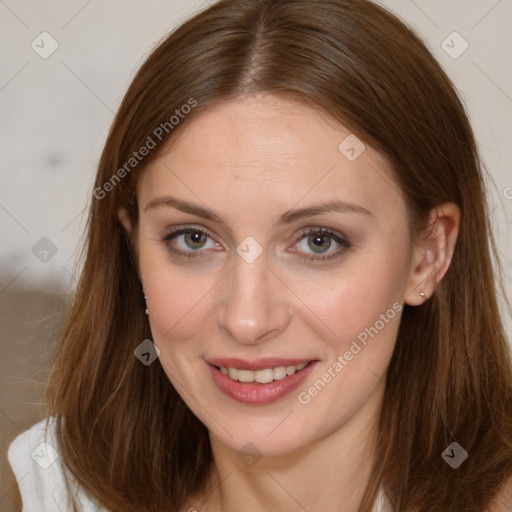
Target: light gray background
[55,115]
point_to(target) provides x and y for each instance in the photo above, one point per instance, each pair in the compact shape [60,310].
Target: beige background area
[55,114]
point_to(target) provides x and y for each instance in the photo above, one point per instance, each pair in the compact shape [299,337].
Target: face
[275,258]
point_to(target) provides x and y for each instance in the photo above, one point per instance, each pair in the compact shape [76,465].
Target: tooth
[290,370]
[279,373]
[245,375]
[264,376]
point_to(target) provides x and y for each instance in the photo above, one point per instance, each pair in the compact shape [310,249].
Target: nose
[253,305]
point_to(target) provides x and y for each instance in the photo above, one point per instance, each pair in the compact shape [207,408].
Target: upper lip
[258,364]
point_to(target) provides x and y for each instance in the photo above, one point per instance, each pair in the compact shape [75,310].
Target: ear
[433,253]
[125,220]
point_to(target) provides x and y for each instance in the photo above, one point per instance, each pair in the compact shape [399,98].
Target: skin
[250,161]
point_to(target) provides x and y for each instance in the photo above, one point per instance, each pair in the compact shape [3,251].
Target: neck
[328,474]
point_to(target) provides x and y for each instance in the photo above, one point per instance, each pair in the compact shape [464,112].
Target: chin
[257,443]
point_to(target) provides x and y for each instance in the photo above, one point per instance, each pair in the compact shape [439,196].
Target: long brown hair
[124,432]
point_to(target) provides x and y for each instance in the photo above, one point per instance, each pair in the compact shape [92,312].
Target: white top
[36,464]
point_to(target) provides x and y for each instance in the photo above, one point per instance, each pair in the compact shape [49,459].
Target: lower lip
[259,394]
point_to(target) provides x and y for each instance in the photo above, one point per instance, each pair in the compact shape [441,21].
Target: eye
[319,241]
[189,242]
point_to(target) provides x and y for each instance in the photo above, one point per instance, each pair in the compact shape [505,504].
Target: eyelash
[343,242]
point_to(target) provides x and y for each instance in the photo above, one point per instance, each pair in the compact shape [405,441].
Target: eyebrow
[334,206]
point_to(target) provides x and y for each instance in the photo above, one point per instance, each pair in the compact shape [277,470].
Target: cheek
[366,289]
[363,311]
[355,303]
[177,296]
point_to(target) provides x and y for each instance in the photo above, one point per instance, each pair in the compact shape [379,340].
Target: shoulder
[381,503]
[36,464]
[503,501]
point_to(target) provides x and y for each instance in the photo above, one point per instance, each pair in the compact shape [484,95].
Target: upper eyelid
[341,239]
[186,228]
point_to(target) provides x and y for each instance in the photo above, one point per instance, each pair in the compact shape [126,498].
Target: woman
[287,301]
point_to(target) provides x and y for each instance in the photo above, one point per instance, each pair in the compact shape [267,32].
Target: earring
[422,294]
[147,310]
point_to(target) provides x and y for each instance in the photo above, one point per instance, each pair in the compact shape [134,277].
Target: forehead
[271,153]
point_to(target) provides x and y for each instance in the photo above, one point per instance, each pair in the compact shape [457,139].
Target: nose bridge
[252,306]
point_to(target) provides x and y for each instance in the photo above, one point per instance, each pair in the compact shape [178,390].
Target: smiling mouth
[259,382]
[263,376]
